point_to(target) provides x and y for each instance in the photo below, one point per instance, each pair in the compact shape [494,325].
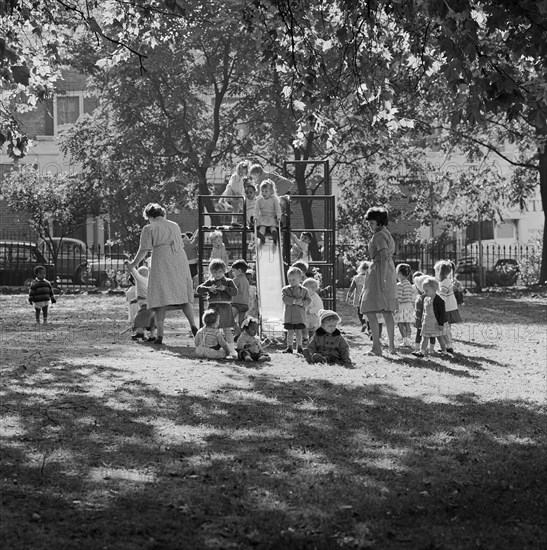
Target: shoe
[158,340]
[261,237]
[418,354]
[248,358]
[287,350]
[194,330]
[263,358]
[45,321]
[151,339]
[275,236]
[299,350]
[449,350]
[137,337]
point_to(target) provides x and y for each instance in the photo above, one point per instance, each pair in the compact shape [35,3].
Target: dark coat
[330,345]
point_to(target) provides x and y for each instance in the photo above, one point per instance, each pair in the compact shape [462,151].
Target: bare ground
[106,443]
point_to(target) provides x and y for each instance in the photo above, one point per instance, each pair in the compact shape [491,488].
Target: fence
[69,263]
[476,267]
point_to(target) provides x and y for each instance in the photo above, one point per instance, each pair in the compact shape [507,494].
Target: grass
[106,443]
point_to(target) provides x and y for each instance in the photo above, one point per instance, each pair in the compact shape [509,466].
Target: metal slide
[269,282]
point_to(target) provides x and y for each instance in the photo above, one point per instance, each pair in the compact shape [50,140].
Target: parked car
[17,262]
[67,253]
[105,271]
[80,264]
[504,273]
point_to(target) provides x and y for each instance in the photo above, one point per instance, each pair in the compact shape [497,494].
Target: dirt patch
[107,443]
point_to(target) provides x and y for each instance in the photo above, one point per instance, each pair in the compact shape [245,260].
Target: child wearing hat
[327,344]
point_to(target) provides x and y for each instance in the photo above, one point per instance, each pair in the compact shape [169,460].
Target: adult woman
[380,292]
[236,188]
[169,282]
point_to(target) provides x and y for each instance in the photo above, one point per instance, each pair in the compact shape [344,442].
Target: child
[249,345]
[433,321]
[296,299]
[250,204]
[219,248]
[267,211]
[220,291]
[418,279]
[355,291]
[191,248]
[131,299]
[443,271]
[328,345]
[458,287]
[240,303]
[300,247]
[40,294]
[404,316]
[209,340]
[145,318]
[312,311]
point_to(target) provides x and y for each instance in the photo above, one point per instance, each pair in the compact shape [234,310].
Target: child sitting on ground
[328,345]
[249,345]
[145,318]
[209,340]
[312,311]
[220,291]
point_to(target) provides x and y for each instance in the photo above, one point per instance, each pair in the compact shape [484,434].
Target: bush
[530,263]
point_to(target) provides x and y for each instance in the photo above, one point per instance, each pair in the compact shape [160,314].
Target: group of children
[228,332]
[428,303]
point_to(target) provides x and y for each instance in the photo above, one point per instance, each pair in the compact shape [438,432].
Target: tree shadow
[265,463]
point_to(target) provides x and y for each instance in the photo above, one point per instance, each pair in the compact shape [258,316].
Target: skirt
[405,313]
[225,314]
[453,317]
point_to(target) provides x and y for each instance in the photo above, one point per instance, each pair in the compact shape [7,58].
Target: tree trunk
[543,193]
[307,213]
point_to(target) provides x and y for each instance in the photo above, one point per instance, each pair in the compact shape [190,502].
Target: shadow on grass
[302,464]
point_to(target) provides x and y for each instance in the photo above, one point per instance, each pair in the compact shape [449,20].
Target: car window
[23,254]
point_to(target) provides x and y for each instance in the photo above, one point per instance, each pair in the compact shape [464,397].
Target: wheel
[104,281]
[80,275]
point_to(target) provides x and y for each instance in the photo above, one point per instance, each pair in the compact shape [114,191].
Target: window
[65,109]
[505,231]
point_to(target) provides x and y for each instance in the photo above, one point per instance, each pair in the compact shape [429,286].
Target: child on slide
[267,211]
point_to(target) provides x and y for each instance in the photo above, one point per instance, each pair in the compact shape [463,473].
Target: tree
[59,199]
[491,57]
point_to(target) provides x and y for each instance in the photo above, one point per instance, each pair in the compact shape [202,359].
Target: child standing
[240,303]
[404,316]
[249,345]
[40,294]
[312,311]
[433,321]
[443,271]
[419,278]
[267,211]
[250,204]
[296,299]
[300,247]
[328,345]
[189,240]
[220,291]
[209,340]
[145,318]
[355,291]
[219,248]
